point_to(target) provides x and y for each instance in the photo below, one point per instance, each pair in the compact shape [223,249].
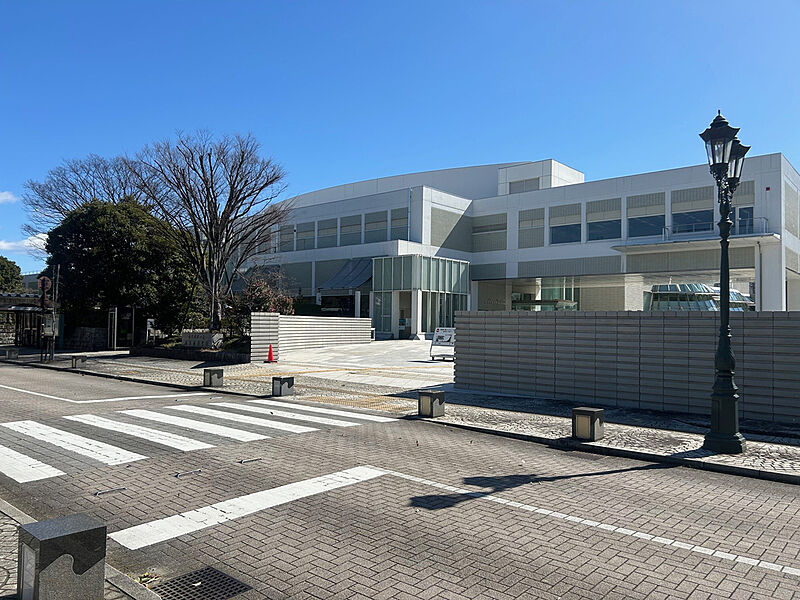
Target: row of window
[351,230]
[641,226]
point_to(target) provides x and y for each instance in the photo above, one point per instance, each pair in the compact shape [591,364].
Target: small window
[565,234]
[523,185]
[645,226]
[691,222]
[604,230]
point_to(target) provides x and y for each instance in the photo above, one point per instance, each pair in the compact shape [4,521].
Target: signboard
[45,283]
[443,343]
[49,326]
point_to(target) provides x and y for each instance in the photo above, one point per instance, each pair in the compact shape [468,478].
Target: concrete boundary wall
[661,361]
[293,332]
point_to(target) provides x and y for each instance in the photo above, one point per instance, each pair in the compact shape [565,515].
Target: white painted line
[163,438]
[287,415]
[199,410]
[326,411]
[8,387]
[186,395]
[105,453]
[23,468]
[221,430]
[165,529]
[589,523]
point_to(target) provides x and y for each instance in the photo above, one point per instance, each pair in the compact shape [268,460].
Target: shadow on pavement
[501,483]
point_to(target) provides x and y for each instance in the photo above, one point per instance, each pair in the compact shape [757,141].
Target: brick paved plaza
[340,504]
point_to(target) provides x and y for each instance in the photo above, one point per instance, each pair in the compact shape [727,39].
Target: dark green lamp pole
[725,160]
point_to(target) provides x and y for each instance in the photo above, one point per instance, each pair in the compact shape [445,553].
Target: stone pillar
[770,278]
[416,314]
[396,315]
[357,304]
[371,305]
[473,295]
[793,293]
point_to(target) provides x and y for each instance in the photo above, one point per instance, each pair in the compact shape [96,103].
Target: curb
[116,578]
[570,444]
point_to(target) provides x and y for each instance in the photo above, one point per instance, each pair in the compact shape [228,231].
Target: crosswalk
[32,451]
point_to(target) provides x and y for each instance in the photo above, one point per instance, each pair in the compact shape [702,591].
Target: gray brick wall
[655,361]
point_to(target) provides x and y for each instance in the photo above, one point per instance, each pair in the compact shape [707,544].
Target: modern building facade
[536,236]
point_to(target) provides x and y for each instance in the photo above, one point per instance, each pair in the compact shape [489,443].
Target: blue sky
[345,91]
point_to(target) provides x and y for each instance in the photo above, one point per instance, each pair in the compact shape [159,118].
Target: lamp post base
[725,443]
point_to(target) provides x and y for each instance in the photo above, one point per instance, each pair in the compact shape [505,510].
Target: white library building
[410,250]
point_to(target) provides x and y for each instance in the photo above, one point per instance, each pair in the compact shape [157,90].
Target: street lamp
[725,160]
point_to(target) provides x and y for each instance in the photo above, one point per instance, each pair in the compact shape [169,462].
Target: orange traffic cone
[270,357]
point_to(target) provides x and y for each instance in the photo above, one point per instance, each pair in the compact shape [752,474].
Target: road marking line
[105,453]
[168,528]
[288,415]
[327,411]
[221,430]
[607,527]
[243,419]
[8,387]
[186,395]
[23,468]
[163,438]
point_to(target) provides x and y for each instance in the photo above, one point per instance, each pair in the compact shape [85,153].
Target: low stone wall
[191,354]
[292,332]
[661,361]
[201,339]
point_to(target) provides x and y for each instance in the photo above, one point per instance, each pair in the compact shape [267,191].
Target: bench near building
[409,251]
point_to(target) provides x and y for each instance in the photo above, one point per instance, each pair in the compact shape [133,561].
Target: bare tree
[73,184]
[218,197]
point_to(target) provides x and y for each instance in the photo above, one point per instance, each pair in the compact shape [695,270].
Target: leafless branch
[219,198]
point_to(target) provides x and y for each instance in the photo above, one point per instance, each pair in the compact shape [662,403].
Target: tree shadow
[500,483]
[696,453]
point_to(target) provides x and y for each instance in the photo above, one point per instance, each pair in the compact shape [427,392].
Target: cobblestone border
[571,444]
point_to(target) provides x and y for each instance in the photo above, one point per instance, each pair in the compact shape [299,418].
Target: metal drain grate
[205,584]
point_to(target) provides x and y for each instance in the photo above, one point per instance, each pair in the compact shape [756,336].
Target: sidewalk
[773,452]
[127,590]
[777,459]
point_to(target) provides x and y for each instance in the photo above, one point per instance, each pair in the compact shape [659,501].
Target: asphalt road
[301,503]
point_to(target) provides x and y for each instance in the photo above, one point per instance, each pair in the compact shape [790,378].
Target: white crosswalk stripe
[147,534]
[167,429]
[221,430]
[199,410]
[163,438]
[287,415]
[23,468]
[105,453]
[326,411]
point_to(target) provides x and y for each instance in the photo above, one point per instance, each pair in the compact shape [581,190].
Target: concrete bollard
[12,353]
[62,559]
[213,377]
[78,361]
[588,423]
[430,404]
[282,386]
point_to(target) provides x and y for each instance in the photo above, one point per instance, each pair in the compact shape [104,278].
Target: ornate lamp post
[725,160]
